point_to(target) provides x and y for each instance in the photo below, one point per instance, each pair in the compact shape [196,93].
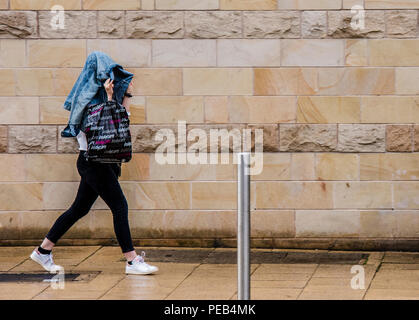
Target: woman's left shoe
[46,261]
[138,266]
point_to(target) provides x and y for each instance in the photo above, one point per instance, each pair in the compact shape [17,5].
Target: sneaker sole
[137,272]
[35,258]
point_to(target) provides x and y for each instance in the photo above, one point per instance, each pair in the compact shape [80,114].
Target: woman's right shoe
[46,261]
[138,266]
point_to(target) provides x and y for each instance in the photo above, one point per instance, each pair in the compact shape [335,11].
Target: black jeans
[97,179]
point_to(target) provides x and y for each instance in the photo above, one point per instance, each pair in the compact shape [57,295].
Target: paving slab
[342,271]
[91,290]
[10,257]
[209,281]
[210,273]
[331,293]
[287,268]
[67,257]
[156,286]
[392,294]
[273,294]
[401,257]
[21,291]
[261,276]
[294,284]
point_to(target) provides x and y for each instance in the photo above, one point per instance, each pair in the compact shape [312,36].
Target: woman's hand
[109,88]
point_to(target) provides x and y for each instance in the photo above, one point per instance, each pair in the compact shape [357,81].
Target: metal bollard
[243,226]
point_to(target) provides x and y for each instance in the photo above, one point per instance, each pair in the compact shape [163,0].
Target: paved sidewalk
[96,272]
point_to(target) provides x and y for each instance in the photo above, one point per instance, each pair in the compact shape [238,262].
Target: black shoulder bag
[107,132]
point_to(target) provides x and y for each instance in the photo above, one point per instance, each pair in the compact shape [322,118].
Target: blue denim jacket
[89,89]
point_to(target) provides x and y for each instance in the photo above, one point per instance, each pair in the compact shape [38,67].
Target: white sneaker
[138,266]
[46,261]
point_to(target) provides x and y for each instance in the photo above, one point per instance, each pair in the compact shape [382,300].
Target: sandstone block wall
[339,108]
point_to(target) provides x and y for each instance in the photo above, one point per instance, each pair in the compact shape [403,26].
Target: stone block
[394,52]
[186,4]
[56,53]
[401,23]
[299,52]
[303,166]
[406,195]
[392,109]
[361,138]
[328,109]
[18,24]
[157,81]
[362,195]
[213,24]
[184,53]
[111,5]
[327,223]
[174,109]
[279,24]
[399,138]
[307,137]
[153,24]
[248,52]
[44,4]
[77,25]
[204,193]
[314,24]
[335,166]
[111,24]
[19,110]
[389,166]
[285,81]
[12,53]
[217,81]
[339,25]
[32,139]
[293,195]
[249,109]
[34,82]
[130,53]
[356,52]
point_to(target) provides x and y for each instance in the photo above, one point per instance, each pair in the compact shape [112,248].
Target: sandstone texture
[399,138]
[143,137]
[361,138]
[339,23]
[162,24]
[77,25]
[111,24]
[307,137]
[32,139]
[416,138]
[270,137]
[401,23]
[213,24]
[280,24]
[337,105]
[3,138]
[314,24]
[18,24]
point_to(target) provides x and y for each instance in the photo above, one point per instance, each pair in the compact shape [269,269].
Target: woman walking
[97,179]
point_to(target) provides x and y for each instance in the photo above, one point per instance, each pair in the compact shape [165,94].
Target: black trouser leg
[97,179]
[104,180]
[85,198]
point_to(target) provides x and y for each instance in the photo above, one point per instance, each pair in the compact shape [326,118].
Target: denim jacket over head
[89,89]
